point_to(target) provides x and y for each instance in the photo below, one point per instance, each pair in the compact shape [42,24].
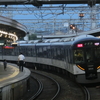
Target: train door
[91,68]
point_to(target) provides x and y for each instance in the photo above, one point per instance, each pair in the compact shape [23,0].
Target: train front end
[87,59]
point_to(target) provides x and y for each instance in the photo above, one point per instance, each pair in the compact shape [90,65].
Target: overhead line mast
[39,3]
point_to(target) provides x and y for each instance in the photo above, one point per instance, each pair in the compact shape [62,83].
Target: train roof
[50,40]
[22,42]
[88,38]
[82,36]
[74,40]
[43,44]
[34,41]
[26,44]
[69,39]
[63,41]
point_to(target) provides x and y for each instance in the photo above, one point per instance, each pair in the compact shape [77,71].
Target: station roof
[11,26]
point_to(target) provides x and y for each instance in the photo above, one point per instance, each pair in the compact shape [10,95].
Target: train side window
[62,53]
[39,52]
[25,49]
[29,51]
[58,53]
[97,54]
[54,52]
[16,51]
[45,51]
[33,52]
[48,52]
[78,56]
[69,55]
[0,50]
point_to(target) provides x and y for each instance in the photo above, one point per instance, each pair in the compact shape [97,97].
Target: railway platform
[13,82]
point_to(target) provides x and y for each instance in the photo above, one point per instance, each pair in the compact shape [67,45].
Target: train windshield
[88,55]
[97,54]
[78,56]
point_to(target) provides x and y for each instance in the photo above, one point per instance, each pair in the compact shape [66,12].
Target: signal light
[96,43]
[72,26]
[79,45]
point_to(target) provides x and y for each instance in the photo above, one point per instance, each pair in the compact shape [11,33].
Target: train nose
[91,72]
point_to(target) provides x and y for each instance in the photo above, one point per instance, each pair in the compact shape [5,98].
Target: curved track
[34,89]
[94,93]
[37,90]
[86,93]
[50,87]
[69,90]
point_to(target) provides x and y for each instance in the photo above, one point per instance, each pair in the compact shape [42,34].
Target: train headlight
[80,67]
[98,67]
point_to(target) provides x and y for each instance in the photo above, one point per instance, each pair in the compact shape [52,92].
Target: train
[77,57]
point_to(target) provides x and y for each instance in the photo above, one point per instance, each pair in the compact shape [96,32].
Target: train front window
[89,55]
[97,54]
[78,56]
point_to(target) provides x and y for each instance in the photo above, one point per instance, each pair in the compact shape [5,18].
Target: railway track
[92,93]
[34,89]
[43,88]
[48,87]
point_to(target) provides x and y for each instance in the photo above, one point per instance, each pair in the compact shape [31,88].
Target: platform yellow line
[16,72]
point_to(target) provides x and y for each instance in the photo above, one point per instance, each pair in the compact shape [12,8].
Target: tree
[32,37]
